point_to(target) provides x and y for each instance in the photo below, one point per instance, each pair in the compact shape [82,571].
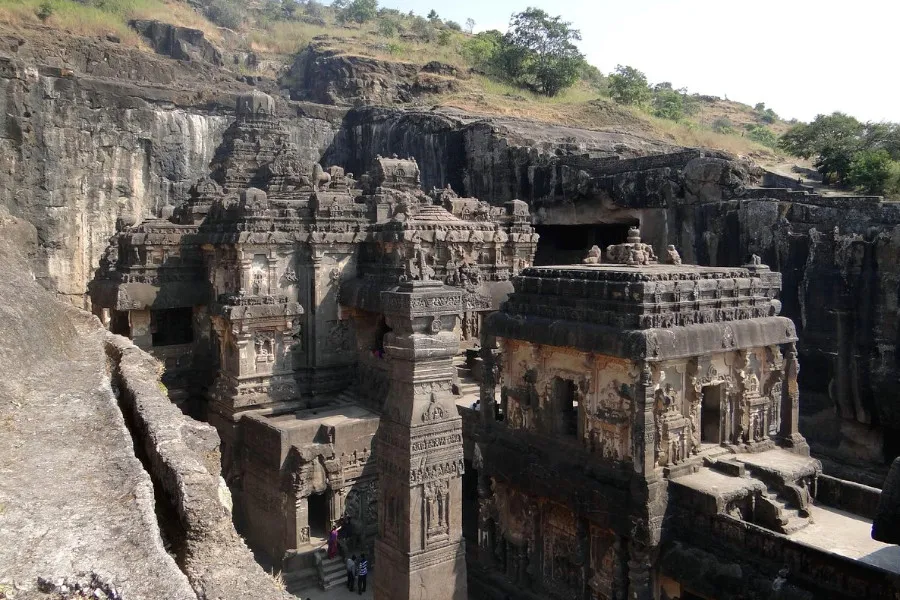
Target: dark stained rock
[319,74]
[886,527]
[182,43]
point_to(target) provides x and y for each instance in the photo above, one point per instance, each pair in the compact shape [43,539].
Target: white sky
[800,57]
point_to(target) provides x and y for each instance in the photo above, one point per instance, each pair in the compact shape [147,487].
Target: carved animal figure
[593,256]
[321,178]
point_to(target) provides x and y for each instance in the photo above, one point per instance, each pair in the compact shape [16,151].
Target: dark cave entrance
[318,514]
[470,505]
[568,244]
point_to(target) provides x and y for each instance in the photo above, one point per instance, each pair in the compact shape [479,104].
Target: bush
[870,171]
[225,13]
[388,27]
[44,11]
[314,10]
[453,25]
[762,135]
[444,37]
[423,30]
[592,76]
[723,125]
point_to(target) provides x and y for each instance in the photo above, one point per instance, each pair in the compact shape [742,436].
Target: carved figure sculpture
[672,256]
[321,178]
[593,256]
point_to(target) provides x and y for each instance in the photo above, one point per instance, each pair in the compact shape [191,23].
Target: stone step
[295,581]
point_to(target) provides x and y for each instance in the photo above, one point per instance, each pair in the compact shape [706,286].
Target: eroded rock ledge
[77,506]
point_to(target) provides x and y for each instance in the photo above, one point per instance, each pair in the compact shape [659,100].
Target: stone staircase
[466,386]
[786,520]
[332,572]
[299,572]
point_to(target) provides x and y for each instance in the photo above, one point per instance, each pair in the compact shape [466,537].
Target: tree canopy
[629,86]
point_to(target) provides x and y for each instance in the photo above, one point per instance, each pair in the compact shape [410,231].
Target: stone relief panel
[609,409]
[564,560]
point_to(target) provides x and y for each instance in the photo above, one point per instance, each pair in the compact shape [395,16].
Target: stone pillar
[420,551]
[644,433]
[790,403]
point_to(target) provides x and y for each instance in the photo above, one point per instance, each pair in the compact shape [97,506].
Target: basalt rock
[182,43]
[331,77]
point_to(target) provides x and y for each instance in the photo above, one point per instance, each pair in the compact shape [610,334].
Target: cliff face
[91,133]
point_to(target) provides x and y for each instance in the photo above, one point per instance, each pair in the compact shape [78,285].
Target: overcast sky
[800,57]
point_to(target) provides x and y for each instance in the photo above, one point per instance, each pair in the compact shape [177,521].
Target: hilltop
[411,59]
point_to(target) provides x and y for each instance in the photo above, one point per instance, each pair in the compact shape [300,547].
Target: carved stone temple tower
[420,552]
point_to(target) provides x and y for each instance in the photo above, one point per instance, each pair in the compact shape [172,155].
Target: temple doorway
[711,414]
[318,514]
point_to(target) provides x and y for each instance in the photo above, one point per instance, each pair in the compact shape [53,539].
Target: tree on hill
[359,11]
[470,25]
[628,86]
[832,139]
[550,60]
[871,171]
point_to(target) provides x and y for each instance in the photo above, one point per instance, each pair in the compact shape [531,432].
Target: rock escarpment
[79,510]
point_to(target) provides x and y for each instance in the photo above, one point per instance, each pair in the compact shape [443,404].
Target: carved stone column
[644,433]
[790,403]
[420,551]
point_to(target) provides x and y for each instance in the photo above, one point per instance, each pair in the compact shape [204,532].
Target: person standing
[333,542]
[362,570]
[351,572]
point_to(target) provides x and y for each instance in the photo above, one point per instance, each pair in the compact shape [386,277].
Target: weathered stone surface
[182,43]
[332,77]
[75,503]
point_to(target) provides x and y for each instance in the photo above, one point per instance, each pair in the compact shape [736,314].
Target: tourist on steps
[333,542]
[351,572]
[362,569]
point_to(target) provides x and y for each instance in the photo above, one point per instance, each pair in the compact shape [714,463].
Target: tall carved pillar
[790,403]
[420,552]
[644,434]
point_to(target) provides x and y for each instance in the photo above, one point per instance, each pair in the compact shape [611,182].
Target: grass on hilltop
[272,36]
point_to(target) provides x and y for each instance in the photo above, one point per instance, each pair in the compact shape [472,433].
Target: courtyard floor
[338,593]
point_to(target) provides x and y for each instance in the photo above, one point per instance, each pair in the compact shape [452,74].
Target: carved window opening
[711,399]
[565,402]
[318,515]
[172,326]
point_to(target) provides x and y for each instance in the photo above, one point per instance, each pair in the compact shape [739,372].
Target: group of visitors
[357,572]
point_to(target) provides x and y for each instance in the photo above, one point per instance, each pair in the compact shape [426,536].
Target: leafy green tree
[551,60]
[832,139]
[453,25]
[482,49]
[668,104]
[870,171]
[432,15]
[359,11]
[592,76]
[628,86]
